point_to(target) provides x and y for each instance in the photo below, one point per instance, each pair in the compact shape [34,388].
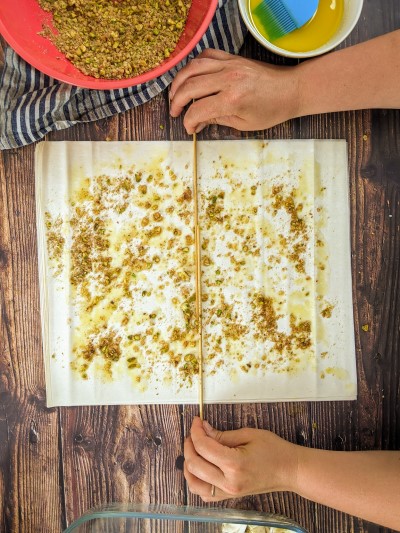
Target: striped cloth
[33,104]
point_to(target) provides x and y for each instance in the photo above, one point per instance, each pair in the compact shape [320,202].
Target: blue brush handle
[301,11]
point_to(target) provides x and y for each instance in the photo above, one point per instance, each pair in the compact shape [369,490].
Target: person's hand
[233,91]
[238,463]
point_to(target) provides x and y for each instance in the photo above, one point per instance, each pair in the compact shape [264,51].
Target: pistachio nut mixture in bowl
[105,44]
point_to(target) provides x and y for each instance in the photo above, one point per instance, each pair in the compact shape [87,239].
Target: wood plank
[120,454]
[31,499]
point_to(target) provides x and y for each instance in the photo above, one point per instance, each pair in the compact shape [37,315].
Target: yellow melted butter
[340,373]
[315,33]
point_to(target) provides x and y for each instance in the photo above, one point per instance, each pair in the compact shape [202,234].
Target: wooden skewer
[197,262]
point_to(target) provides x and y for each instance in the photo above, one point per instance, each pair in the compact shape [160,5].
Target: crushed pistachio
[132,243]
[115,39]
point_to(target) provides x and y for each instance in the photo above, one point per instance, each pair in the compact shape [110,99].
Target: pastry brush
[280,17]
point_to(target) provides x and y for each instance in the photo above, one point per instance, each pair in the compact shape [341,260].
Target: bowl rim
[89,82]
[287,53]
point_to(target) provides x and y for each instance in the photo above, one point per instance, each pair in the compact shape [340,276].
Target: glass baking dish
[147,518]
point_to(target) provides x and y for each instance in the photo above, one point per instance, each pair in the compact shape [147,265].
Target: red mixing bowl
[21,20]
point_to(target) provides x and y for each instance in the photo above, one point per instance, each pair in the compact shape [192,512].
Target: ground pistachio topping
[116,39]
[126,250]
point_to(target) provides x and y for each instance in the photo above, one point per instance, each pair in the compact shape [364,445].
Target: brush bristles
[275,18]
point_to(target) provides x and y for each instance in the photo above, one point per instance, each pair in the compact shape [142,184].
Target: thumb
[232,439]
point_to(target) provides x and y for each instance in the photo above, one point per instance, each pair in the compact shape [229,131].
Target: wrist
[295,88]
[299,472]
[311,467]
[305,96]
[293,473]
[288,473]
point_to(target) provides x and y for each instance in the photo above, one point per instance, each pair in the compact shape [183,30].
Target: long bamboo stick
[197,262]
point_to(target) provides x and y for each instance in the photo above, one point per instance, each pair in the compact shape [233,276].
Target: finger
[203,489]
[201,468]
[238,437]
[201,127]
[208,59]
[194,88]
[209,110]
[197,67]
[232,122]
[212,53]
[208,448]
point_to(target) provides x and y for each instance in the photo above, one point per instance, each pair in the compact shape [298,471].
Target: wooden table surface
[57,463]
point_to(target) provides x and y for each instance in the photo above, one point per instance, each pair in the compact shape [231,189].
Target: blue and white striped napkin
[33,104]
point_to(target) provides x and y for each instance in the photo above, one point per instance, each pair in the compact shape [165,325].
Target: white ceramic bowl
[352,11]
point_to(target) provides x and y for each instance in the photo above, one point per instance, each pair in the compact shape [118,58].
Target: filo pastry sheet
[116,267]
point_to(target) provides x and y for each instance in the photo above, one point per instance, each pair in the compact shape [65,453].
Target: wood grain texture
[57,463]
[30,459]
